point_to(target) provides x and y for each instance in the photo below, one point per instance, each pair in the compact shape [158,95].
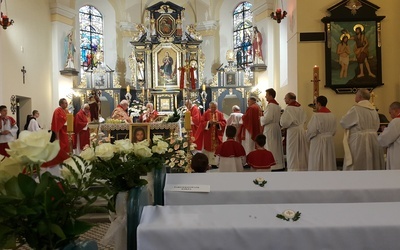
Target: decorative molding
[207,25]
[260,11]
[60,9]
[127,26]
[207,28]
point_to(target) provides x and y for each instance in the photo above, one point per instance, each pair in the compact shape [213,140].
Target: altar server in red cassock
[8,130]
[81,129]
[260,159]
[209,134]
[231,156]
[251,126]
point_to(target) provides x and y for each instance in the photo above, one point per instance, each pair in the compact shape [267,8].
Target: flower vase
[116,233]
[150,185]
[128,209]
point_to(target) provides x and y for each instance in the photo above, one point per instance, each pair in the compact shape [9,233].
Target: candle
[143,92]
[203,87]
[316,73]
[148,93]
[188,125]
[128,89]
[70,123]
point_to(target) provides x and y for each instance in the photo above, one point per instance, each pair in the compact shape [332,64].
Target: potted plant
[123,167]
[42,212]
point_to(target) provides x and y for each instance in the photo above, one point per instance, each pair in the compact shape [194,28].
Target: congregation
[254,139]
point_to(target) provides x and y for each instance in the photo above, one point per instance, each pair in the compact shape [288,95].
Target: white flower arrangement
[260,181]
[136,108]
[288,215]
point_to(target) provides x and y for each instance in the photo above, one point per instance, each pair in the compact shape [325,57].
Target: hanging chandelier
[278,15]
[5,21]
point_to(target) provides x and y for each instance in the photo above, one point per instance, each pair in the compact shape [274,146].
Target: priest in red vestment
[81,130]
[209,134]
[251,126]
[59,127]
[195,116]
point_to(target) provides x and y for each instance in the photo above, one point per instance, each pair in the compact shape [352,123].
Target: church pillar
[63,21]
[208,30]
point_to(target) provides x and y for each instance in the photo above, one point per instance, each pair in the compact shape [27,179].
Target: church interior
[34,71]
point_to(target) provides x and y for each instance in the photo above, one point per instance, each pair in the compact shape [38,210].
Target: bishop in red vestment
[210,132]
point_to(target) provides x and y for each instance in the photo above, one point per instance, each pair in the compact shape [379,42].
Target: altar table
[286,187]
[321,226]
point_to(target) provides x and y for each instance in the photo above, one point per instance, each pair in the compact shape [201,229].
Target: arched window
[242,30]
[91,37]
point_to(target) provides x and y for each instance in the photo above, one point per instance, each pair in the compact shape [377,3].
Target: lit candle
[316,73]
[70,123]
[188,125]
[128,89]
[148,93]
[143,91]
[203,87]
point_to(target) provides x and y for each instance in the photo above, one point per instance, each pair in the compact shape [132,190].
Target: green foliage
[45,214]
[174,117]
[123,172]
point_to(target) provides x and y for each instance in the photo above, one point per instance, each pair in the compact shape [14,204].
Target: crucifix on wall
[23,70]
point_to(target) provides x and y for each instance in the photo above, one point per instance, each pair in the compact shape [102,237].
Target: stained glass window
[91,37]
[242,30]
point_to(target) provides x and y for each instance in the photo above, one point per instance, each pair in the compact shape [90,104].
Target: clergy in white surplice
[320,131]
[390,137]
[293,119]
[362,150]
[272,129]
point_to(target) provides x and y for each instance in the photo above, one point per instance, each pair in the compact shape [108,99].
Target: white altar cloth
[321,226]
[286,187]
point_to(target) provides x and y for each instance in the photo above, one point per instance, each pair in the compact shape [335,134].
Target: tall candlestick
[70,123]
[188,125]
[316,73]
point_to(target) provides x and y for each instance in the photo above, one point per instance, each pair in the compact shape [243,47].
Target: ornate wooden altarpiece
[160,48]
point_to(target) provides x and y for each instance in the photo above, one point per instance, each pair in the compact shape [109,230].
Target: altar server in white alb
[8,130]
[320,131]
[361,147]
[293,119]
[390,137]
[272,129]
[234,120]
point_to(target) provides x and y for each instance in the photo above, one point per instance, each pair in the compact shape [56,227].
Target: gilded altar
[160,48]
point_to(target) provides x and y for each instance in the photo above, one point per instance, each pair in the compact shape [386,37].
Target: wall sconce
[278,15]
[5,21]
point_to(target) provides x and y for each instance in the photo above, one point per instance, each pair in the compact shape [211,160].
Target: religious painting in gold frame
[139,132]
[167,61]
